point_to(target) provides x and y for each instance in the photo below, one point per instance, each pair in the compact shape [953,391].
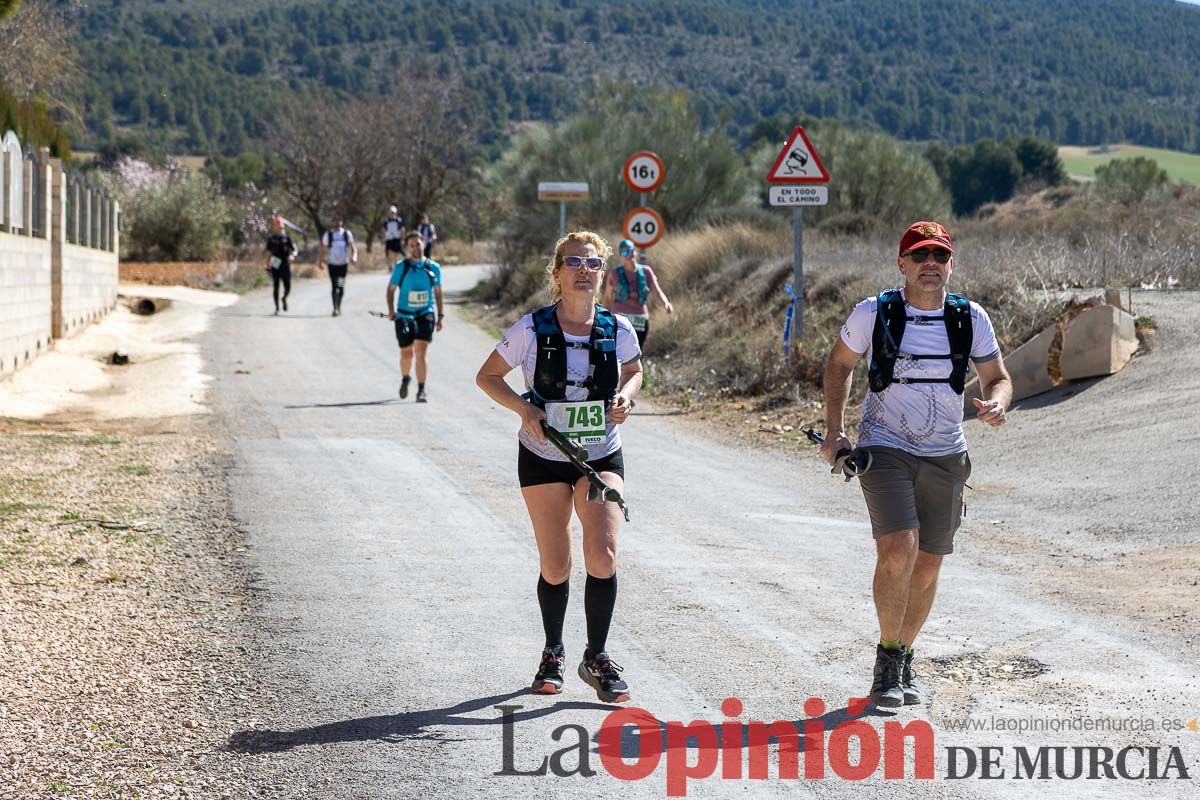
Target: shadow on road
[391,401]
[1056,395]
[395,727]
[654,731]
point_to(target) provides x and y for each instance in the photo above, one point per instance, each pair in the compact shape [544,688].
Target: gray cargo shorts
[905,491]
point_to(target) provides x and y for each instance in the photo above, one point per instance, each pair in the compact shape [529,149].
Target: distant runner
[338,252]
[628,290]
[428,234]
[280,252]
[582,366]
[917,341]
[414,288]
[392,232]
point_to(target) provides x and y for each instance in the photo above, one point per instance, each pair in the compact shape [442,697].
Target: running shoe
[404,382]
[549,677]
[889,666]
[421,398]
[912,692]
[601,673]
[285,304]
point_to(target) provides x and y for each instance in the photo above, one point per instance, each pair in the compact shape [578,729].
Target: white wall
[25,304]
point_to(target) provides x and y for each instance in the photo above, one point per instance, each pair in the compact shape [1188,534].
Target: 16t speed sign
[643,226]
[644,171]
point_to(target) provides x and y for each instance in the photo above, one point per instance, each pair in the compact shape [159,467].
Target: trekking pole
[850,463]
[378,314]
[598,490]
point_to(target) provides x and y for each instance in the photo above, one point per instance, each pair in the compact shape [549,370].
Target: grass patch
[1180,166]
[58,787]
[135,469]
[9,509]
[99,440]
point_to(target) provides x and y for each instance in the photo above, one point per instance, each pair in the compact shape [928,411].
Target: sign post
[564,193]
[798,179]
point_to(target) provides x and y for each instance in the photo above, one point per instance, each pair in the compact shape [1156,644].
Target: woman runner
[557,349]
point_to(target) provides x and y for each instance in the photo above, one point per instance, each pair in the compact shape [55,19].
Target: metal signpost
[564,193]
[798,179]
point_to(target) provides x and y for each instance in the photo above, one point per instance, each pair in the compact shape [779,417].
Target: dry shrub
[457,251]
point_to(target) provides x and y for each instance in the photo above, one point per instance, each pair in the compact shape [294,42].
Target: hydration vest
[643,285]
[408,264]
[550,380]
[890,319]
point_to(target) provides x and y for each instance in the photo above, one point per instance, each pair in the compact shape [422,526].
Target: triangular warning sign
[798,162]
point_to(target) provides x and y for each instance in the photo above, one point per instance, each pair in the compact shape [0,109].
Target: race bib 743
[582,421]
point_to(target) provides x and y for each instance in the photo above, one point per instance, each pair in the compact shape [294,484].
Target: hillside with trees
[207,77]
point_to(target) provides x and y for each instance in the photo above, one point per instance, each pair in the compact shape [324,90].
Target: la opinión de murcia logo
[633,745]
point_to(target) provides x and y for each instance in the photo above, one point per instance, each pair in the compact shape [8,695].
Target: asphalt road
[396,608]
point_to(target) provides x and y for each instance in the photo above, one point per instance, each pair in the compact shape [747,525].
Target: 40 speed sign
[643,226]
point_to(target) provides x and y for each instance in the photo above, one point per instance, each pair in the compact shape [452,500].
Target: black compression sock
[599,599]
[553,602]
[420,387]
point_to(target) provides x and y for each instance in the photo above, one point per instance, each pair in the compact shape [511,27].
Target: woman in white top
[587,388]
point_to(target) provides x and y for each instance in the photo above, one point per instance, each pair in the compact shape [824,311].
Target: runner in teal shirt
[413,292]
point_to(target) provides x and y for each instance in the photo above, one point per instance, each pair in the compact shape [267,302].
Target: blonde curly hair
[582,237]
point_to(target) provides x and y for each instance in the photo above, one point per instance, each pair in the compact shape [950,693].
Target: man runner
[338,252]
[393,235]
[918,341]
[415,285]
[627,291]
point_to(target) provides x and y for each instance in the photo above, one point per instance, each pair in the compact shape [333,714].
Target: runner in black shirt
[280,252]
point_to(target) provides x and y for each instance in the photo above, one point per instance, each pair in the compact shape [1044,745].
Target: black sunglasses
[939,255]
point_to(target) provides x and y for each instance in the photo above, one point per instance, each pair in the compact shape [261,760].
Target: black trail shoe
[285,304]
[912,692]
[549,677]
[404,382]
[602,675]
[885,689]
[421,398]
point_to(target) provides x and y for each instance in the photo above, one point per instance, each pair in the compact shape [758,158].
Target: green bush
[1129,180]
[171,214]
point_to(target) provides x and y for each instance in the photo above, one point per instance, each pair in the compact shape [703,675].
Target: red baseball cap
[922,233]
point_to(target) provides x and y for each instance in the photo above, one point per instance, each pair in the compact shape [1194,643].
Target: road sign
[643,226]
[644,171]
[562,191]
[798,195]
[798,162]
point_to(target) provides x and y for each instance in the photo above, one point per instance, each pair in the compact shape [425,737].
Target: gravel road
[395,572]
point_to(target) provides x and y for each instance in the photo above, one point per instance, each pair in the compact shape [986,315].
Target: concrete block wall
[25,308]
[49,288]
[89,286]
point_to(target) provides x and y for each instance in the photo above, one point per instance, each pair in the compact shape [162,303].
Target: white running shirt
[924,419]
[518,347]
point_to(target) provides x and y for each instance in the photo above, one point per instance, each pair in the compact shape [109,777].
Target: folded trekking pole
[850,463]
[598,490]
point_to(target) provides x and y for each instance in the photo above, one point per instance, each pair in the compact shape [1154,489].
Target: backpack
[890,319]
[550,374]
[346,237]
[643,284]
[408,264]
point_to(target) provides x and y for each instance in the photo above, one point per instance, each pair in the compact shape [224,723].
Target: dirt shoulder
[123,592]
[1086,492]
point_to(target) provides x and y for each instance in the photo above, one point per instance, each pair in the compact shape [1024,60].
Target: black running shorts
[533,470]
[394,245]
[410,328]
